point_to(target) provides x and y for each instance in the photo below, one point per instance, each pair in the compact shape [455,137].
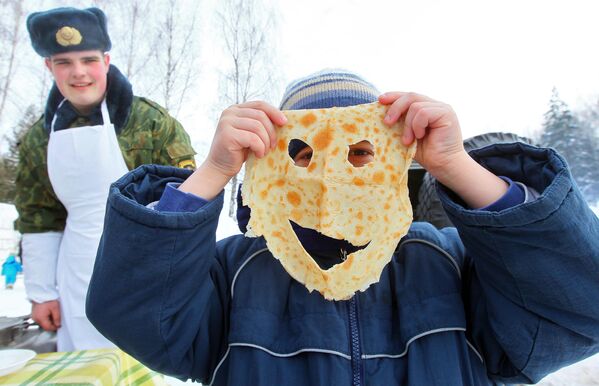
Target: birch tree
[155,44]
[11,27]
[130,22]
[248,35]
[176,53]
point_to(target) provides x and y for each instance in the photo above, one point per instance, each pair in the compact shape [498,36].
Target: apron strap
[56,114]
[103,108]
[105,115]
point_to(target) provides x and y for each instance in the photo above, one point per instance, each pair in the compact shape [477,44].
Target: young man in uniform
[92,132]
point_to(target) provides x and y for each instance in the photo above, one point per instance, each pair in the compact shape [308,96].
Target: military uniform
[93,131]
[151,136]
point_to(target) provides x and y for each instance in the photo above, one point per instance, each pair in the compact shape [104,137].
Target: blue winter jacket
[506,297]
[10,269]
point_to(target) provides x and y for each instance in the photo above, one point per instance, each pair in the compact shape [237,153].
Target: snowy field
[585,373]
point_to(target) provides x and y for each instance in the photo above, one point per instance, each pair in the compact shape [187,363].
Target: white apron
[82,163]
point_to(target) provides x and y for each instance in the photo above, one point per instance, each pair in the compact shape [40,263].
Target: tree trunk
[14,42]
[233,198]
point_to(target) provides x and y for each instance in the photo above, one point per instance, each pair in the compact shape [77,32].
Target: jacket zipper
[356,350]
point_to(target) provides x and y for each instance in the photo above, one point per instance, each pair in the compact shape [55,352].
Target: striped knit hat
[328,88]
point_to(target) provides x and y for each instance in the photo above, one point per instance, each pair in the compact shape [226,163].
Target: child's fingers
[273,113]
[401,105]
[427,120]
[267,124]
[250,140]
[407,137]
[390,97]
[421,115]
[253,126]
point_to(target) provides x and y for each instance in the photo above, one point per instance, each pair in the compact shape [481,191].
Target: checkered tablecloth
[105,367]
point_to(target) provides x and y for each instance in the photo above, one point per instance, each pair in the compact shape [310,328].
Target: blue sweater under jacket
[507,297]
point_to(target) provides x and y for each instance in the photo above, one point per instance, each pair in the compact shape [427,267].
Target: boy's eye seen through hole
[300,152]
[359,154]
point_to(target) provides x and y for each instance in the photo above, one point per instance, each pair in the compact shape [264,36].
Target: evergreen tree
[10,159]
[589,116]
[576,142]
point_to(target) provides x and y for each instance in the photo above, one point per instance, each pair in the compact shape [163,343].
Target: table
[104,367]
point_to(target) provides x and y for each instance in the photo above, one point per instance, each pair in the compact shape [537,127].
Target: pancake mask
[368,206]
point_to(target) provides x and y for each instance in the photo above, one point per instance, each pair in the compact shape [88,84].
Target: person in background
[92,132]
[507,296]
[10,268]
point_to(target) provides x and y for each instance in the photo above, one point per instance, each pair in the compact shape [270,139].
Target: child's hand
[440,148]
[242,128]
[434,124]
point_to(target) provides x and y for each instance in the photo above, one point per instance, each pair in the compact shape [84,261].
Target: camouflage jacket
[150,136]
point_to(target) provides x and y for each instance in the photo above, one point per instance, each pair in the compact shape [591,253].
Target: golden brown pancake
[368,206]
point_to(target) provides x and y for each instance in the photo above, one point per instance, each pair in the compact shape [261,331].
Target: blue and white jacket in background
[507,297]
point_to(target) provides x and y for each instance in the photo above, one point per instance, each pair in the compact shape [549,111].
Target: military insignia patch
[68,36]
[187,164]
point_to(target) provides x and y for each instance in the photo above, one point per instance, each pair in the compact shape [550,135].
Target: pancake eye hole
[300,152]
[360,153]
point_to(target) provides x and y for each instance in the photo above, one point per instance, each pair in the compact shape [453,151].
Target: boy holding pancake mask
[356,293]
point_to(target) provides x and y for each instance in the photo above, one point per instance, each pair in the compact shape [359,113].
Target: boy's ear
[48,64]
[107,61]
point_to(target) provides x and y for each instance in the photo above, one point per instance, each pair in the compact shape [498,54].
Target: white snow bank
[9,238]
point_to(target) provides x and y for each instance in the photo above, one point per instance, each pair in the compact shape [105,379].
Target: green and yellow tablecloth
[105,367]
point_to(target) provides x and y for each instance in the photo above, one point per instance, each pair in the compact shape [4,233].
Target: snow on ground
[584,373]
[14,302]
[9,238]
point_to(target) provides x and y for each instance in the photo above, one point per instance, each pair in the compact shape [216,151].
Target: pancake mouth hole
[324,250]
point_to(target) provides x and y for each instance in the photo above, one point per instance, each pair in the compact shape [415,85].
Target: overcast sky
[495,62]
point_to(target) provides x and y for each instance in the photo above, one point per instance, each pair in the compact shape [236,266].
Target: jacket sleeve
[532,285]
[41,218]
[40,257]
[38,207]
[157,290]
[172,145]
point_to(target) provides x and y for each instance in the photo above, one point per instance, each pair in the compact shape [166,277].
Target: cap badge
[68,36]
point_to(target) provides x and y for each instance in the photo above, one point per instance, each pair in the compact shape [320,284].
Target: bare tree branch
[247,29]
[13,39]
[131,27]
[176,53]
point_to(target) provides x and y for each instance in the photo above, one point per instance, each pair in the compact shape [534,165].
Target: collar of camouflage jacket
[118,100]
